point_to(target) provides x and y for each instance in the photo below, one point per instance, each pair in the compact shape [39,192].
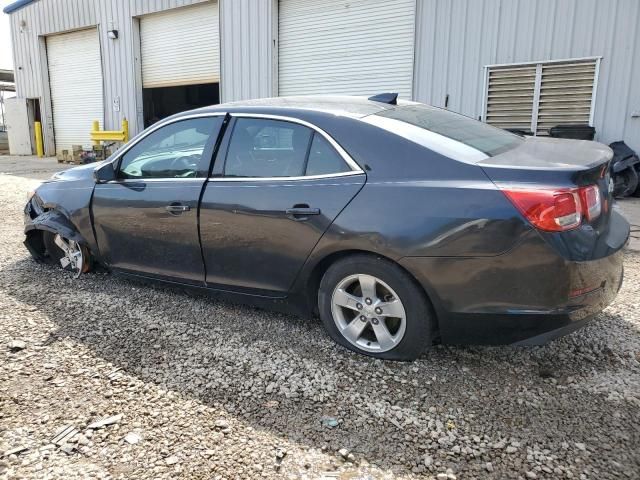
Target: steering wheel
[185,162]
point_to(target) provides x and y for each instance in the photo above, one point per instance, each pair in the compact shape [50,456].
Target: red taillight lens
[550,210]
[591,202]
[556,210]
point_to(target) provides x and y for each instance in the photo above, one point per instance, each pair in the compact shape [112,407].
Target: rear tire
[636,192]
[625,182]
[371,306]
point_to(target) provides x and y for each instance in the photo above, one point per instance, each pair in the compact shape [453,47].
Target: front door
[280,187]
[147,220]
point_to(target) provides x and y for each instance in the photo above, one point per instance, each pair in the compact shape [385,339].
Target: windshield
[485,138]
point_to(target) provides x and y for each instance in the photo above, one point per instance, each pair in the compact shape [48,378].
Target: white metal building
[527,64]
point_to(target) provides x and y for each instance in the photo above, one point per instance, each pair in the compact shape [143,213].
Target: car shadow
[293,375]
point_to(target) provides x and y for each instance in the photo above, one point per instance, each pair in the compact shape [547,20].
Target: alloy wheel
[73,258]
[368,313]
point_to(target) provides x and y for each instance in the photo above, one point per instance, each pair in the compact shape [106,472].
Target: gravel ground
[203,389]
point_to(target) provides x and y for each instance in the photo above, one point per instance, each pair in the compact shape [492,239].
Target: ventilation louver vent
[536,97]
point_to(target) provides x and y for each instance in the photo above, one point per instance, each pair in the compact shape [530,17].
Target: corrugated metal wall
[455,39]
[248,31]
[29,24]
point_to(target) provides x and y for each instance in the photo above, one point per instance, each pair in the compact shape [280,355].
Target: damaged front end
[53,239]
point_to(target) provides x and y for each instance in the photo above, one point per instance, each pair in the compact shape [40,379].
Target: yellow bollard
[96,128]
[38,132]
[125,130]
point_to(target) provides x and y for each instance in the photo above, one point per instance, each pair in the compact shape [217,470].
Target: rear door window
[265,148]
[323,159]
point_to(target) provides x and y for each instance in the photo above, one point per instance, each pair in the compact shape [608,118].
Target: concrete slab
[630,208]
[30,166]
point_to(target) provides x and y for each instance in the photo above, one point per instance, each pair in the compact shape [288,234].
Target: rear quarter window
[487,139]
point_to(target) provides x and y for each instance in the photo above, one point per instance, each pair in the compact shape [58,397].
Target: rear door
[146,221]
[278,185]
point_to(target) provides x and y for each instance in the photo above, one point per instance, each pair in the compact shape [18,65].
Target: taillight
[556,210]
[590,197]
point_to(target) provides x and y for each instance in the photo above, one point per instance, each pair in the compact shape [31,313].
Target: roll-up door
[180,46]
[75,77]
[352,47]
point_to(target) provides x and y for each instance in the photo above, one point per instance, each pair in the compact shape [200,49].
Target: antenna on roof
[390,98]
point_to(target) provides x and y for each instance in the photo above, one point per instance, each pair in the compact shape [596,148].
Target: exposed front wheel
[371,306]
[67,253]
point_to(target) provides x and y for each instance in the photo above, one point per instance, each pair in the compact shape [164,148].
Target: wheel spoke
[73,257]
[354,329]
[77,260]
[383,336]
[368,286]
[60,242]
[391,309]
[346,300]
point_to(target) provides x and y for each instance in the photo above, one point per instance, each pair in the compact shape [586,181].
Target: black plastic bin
[577,132]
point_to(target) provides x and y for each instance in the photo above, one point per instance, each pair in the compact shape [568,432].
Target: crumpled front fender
[51,221]
[54,222]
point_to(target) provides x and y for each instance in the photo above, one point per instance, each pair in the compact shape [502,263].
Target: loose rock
[17,345]
[132,438]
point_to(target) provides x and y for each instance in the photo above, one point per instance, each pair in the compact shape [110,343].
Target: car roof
[351,106]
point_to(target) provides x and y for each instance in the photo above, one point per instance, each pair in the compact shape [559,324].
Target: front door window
[176,150]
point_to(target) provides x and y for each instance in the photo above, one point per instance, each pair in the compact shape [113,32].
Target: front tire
[370,305]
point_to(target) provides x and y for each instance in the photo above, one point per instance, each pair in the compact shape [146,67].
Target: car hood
[82,172]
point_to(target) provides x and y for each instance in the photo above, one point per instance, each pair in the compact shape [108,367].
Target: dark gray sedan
[400,224]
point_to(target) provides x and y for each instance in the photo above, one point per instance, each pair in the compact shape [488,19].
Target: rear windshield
[485,138]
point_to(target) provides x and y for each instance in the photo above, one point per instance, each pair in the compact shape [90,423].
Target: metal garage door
[354,47]
[75,76]
[181,46]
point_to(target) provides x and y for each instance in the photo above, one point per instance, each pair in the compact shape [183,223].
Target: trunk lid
[552,158]
[552,163]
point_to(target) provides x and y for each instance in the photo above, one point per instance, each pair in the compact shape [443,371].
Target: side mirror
[105,173]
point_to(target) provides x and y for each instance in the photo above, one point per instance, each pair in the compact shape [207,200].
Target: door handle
[301,212]
[177,209]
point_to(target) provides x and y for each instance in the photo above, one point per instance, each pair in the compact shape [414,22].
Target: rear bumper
[529,295]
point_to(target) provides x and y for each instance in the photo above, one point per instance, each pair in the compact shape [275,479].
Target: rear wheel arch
[401,329]
[321,267]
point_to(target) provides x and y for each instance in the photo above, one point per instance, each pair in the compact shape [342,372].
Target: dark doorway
[162,102]
[33,115]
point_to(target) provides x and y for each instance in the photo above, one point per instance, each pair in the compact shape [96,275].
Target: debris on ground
[64,434]
[330,422]
[132,438]
[105,422]
[15,451]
